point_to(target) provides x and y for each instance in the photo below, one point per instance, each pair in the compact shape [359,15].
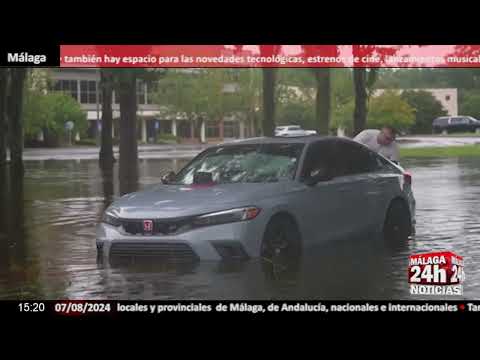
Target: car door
[358,186]
[388,179]
[319,206]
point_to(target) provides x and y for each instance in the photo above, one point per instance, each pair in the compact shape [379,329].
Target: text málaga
[24,57]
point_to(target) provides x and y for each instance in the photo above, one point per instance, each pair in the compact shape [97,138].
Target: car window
[320,157]
[353,158]
[294,128]
[440,121]
[459,120]
[244,163]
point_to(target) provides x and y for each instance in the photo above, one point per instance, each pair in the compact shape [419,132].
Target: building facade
[152,121]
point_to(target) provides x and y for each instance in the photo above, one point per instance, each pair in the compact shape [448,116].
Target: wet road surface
[47,243]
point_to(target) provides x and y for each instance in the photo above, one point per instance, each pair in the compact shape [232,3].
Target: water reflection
[47,242]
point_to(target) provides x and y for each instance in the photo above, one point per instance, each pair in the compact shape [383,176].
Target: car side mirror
[168,177]
[319,176]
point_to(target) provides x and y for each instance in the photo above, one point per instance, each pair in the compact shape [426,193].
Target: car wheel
[397,226]
[281,241]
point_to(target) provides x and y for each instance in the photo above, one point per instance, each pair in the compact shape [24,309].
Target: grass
[441,152]
[460,134]
[454,134]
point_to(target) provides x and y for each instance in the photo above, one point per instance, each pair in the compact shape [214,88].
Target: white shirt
[369,138]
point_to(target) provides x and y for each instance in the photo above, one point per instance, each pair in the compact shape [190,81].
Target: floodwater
[47,242]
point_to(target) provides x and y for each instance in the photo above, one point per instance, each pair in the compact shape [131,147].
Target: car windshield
[244,163]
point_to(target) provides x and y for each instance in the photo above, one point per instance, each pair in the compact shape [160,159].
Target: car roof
[306,139]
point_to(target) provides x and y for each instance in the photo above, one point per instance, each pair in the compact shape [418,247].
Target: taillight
[407,177]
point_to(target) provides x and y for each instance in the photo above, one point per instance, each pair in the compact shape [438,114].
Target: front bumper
[234,240]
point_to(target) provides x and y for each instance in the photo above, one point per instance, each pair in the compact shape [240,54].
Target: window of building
[213,129]
[88,91]
[68,87]
[184,129]
[231,129]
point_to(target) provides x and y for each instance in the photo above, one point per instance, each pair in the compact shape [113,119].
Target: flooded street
[47,242]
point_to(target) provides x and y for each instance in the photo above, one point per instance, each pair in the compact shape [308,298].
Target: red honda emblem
[148,226]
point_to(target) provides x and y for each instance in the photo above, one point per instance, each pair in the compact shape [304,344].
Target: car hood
[170,201]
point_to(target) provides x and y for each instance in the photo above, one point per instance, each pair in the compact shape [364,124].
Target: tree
[322,100]
[197,96]
[390,109]
[3,116]
[128,169]
[125,83]
[426,108]
[14,115]
[470,105]
[106,157]
[268,86]
[343,116]
[48,113]
[296,106]
[363,81]
[323,85]
[360,110]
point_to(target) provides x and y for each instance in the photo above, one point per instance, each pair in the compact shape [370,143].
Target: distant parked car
[292,130]
[446,124]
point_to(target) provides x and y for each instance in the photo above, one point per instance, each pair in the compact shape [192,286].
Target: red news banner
[195,56]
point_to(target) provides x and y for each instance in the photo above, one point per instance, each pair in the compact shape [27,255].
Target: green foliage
[209,93]
[441,152]
[296,77]
[87,141]
[427,108]
[342,116]
[51,111]
[295,106]
[429,78]
[390,109]
[163,138]
[470,105]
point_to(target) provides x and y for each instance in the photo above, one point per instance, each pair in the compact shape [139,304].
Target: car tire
[281,241]
[397,226]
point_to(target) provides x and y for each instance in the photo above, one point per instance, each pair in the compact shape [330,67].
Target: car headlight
[110,219]
[226,216]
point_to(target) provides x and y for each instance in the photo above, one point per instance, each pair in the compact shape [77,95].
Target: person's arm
[395,153]
[360,137]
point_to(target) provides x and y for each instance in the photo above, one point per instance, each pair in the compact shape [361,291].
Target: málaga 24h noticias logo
[436,273]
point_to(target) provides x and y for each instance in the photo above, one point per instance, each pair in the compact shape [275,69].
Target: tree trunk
[14,115]
[322,100]
[3,116]
[360,112]
[268,124]
[4,214]
[128,170]
[106,149]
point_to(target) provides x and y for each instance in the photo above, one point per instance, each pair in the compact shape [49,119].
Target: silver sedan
[263,197]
